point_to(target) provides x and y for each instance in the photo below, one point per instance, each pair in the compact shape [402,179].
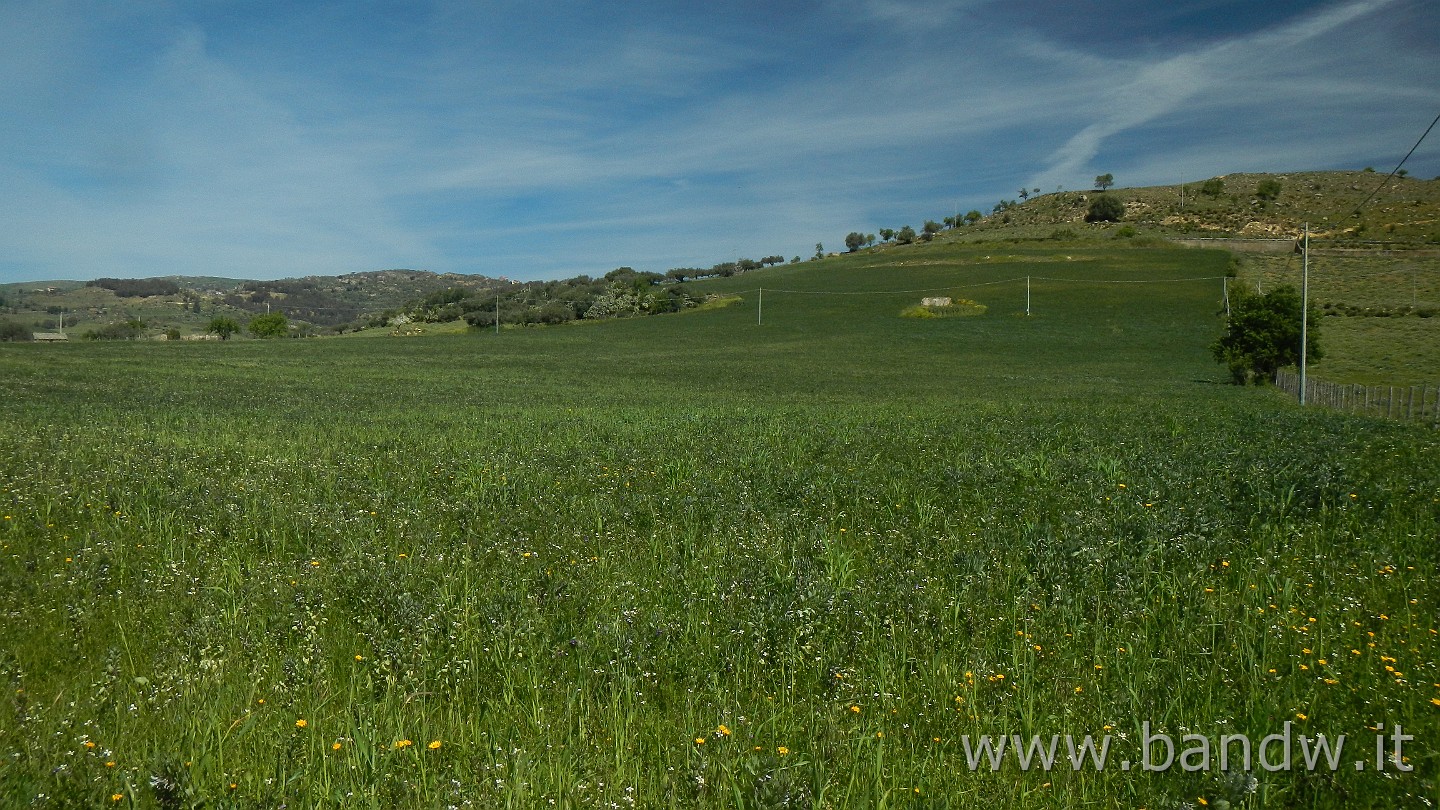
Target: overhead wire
[1396,170]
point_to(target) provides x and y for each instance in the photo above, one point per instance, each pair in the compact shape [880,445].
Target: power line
[1396,170]
[897,292]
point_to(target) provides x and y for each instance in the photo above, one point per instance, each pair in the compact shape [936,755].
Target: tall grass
[691,561]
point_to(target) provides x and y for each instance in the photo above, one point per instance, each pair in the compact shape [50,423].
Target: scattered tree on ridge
[1104,181]
[854,241]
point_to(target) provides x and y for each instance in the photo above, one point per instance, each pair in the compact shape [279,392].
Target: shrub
[270,326]
[1105,208]
[116,331]
[14,331]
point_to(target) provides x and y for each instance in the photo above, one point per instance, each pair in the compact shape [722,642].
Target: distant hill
[187,303]
[1357,209]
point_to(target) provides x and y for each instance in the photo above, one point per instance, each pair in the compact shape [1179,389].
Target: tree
[1213,187]
[854,241]
[869,239]
[13,330]
[1263,334]
[1104,181]
[1105,208]
[819,250]
[905,235]
[887,234]
[931,227]
[1268,189]
[972,216]
[270,326]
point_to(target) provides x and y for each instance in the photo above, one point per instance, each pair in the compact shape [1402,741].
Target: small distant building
[935,302]
[50,337]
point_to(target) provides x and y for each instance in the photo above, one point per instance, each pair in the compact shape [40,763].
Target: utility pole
[1304,307]
[1027,296]
[760,307]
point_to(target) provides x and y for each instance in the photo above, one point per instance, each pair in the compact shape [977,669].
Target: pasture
[695,561]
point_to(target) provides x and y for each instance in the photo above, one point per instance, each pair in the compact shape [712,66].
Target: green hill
[1376,275]
[1403,212]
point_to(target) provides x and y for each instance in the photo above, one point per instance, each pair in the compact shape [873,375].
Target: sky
[539,140]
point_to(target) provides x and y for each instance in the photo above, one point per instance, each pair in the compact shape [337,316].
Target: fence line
[1409,403]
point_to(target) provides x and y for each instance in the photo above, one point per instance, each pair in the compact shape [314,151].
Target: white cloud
[466,142]
[1260,63]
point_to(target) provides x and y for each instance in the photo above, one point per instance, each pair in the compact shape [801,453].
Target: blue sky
[545,140]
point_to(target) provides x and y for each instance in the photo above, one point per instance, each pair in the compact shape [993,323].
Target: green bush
[1105,208]
[13,331]
[1263,335]
[270,326]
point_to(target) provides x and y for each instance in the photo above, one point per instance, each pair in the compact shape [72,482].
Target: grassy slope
[1389,347]
[1404,211]
[846,537]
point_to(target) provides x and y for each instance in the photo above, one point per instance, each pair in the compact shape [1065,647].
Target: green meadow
[794,551]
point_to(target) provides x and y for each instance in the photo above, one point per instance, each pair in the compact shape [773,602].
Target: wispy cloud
[1144,92]
[523,139]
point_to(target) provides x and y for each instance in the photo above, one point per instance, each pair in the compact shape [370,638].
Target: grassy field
[699,561]
[1381,314]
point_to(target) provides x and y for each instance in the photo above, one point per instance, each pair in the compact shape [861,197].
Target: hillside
[1402,216]
[314,303]
[1405,213]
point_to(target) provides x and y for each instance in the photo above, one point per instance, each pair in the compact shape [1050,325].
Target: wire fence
[1409,403]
